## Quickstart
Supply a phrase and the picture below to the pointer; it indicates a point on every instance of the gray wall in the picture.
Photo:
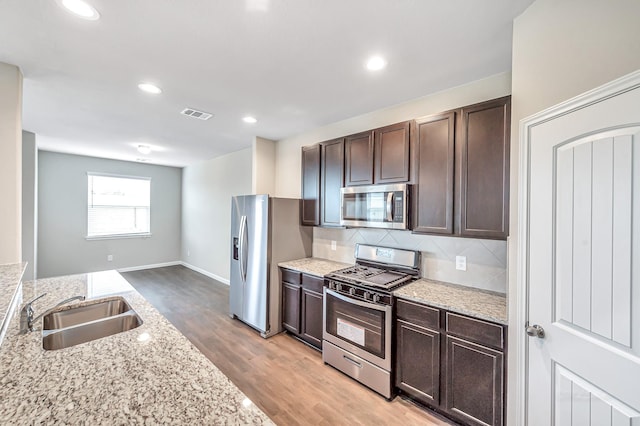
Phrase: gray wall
(207, 189)
(29, 204)
(62, 217)
(561, 48)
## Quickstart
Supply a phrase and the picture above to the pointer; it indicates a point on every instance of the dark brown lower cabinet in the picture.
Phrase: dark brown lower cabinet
(418, 347)
(451, 362)
(302, 306)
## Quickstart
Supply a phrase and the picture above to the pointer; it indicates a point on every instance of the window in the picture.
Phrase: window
(118, 206)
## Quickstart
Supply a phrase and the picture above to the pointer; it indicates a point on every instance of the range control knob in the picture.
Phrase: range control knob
(376, 298)
(338, 286)
(332, 285)
(367, 295)
(352, 291)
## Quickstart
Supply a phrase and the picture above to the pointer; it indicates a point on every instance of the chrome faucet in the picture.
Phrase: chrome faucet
(26, 314)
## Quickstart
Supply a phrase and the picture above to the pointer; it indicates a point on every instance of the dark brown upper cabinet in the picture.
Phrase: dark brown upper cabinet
(310, 208)
(331, 180)
(433, 202)
(484, 169)
(359, 159)
(391, 153)
(379, 156)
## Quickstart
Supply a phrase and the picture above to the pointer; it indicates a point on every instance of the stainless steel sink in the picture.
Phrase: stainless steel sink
(86, 322)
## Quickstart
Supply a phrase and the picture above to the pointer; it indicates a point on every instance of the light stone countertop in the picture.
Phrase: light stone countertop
(10, 277)
(149, 375)
(470, 301)
(314, 266)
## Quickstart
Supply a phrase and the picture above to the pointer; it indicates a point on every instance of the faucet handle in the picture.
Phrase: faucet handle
(28, 304)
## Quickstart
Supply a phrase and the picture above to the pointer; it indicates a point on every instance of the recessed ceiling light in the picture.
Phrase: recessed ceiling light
(144, 149)
(81, 9)
(376, 63)
(149, 88)
(250, 120)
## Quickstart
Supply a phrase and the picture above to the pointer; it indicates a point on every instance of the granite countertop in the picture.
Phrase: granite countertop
(149, 375)
(10, 277)
(314, 266)
(477, 303)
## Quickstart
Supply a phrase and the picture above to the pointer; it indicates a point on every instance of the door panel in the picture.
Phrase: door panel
(236, 290)
(254, 307)
(589, 174)
(581, 403)
(583, 281)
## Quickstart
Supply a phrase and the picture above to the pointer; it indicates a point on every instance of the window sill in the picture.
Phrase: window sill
(117, 236)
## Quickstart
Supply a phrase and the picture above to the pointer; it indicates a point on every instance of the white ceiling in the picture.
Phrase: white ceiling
(293, 64)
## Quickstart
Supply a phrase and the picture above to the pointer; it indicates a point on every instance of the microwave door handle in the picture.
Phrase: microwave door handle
(390, 197)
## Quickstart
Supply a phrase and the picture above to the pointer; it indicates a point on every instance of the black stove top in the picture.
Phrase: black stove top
(368, 276)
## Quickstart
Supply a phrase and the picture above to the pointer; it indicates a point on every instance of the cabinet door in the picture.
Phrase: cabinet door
(332, 179)
(391, 152)
(484, 180)
(310, 210)
(312, 317)
(359, 159)
(474, 383)
(418, 362)
(434, 204)
(291, 307)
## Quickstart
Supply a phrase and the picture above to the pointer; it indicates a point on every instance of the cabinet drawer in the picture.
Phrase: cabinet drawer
(482, 332)
(421, 315)
(290, 276)
(312, 283)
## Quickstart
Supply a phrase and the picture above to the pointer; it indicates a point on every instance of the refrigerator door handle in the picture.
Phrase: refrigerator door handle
(243, 234)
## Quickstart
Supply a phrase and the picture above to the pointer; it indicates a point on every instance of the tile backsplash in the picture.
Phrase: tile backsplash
(486, 259)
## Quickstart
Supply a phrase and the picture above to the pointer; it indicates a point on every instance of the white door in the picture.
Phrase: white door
(583, 259)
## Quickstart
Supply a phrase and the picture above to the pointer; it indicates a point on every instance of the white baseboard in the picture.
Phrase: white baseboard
(207, 273)
(155, 265)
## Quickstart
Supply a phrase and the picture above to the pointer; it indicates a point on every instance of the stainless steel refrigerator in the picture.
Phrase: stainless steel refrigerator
(264, 232)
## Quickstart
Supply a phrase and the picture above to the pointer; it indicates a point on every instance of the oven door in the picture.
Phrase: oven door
(359, 327)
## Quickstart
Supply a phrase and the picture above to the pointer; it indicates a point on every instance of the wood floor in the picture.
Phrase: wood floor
(281, 375)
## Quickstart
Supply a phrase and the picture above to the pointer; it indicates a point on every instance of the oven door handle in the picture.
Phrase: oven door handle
(383, 308)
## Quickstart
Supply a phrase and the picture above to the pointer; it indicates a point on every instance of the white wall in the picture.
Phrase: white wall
(29, 204)
(288, 167)
(62, 217)
(562, 48)
(207, 189)
(264, 166)
(10, 163)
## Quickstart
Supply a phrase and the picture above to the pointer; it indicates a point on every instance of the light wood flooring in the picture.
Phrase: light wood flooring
(281, 375)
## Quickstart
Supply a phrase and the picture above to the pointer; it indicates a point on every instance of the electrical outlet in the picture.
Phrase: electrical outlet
(188, 253)
(461, 263)
(333, 245)
(109, 258)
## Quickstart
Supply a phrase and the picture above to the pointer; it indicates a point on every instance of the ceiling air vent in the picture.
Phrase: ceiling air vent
(200, 115)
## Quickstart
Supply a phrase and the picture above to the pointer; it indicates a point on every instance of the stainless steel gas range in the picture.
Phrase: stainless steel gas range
(358, 312)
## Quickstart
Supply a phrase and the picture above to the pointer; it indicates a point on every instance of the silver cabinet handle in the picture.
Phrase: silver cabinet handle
(535, 331)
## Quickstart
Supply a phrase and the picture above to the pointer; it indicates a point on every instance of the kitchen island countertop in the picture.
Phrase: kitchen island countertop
(10, 277)
(149, 375)
(314, 266)
(470, 301)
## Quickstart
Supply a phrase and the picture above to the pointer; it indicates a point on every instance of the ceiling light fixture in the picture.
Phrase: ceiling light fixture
(150, 88)
(376, 63)
(250, 120)
(81, 9)
(144, 149)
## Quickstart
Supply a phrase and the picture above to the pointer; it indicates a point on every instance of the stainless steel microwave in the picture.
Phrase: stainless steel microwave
(375, 206)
